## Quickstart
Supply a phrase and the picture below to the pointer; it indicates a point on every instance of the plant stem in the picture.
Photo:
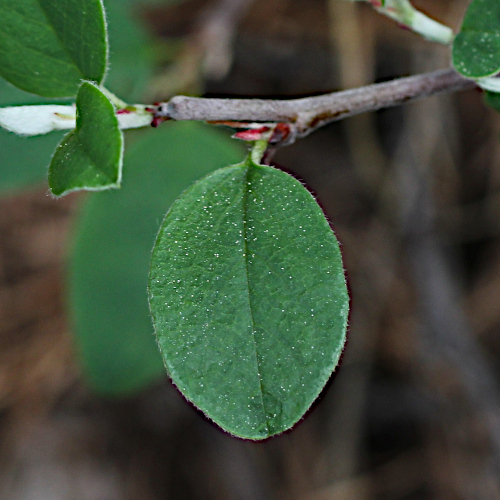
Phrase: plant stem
(403, 12)
(258, 150)
(307, 114)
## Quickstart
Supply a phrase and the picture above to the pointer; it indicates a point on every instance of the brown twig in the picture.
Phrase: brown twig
(307, 114)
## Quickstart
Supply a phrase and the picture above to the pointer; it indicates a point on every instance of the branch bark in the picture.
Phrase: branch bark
(305, 115)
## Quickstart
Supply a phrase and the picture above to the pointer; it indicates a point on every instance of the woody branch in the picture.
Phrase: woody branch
(305, 115)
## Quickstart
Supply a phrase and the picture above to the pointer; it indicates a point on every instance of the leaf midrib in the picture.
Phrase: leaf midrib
(60, 40)
(95, 164)
(248, 167)
(54, 31)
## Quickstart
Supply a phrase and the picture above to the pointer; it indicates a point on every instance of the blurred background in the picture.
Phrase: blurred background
(413, 193)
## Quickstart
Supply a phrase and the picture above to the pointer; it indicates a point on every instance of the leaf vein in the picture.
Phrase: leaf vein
(250, 307)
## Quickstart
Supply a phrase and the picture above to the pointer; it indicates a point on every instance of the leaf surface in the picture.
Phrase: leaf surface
(476, 49)
(112, 250)
(47, 47)
(248, 298)
(89, 157)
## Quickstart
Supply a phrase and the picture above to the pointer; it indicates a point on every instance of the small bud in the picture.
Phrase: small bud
(253, 134)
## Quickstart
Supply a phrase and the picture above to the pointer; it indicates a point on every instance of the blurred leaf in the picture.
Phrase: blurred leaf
(89, 157)
(476, 49)
(131, 57)
(110, 259)
(248, 298)
(23, 160)
(47, 47)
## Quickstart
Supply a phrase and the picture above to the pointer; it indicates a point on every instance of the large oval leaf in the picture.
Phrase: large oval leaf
(248, 298)
(110, 257)
(476, 49)
(47, 47)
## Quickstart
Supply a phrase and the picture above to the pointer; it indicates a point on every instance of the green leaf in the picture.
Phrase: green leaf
(23, 160)
(248, 298)
(110, 257)
(47, 47)
(89, 157)
(476, 49)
